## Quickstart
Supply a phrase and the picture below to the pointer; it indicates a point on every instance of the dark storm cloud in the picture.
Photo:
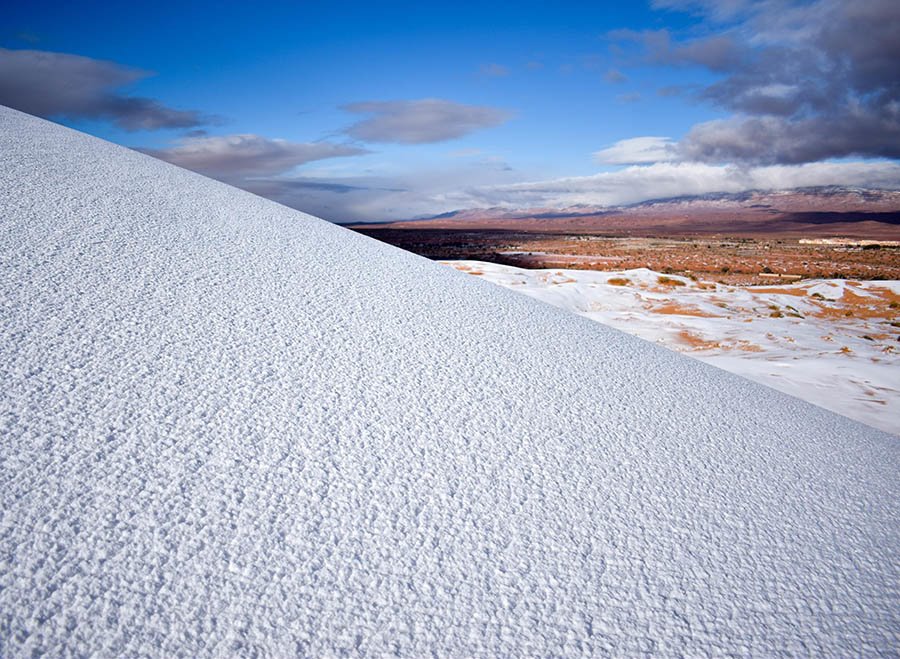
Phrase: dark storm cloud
(806, 81)
(772, 139)
(61, 85)
(718, 53)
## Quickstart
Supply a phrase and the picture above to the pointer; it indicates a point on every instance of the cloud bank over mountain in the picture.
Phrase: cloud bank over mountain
(673, 179)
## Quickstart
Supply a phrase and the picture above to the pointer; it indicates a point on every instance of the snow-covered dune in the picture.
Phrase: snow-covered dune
(230, 428)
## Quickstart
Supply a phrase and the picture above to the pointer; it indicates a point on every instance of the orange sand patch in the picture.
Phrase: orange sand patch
(746, 346)
(796, 292)
(858, 311)
(849, 297)
(872, 394)
(675, 309)
(876, 306)
(468, 269)
(696, 342)
(885, 294)
(556, 278)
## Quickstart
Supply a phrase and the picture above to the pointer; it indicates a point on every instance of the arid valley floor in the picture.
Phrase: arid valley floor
(740, 260)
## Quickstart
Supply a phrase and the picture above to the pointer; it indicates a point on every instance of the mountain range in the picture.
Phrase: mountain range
(804, 212)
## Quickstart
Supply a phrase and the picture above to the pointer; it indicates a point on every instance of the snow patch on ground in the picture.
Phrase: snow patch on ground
(833, 342)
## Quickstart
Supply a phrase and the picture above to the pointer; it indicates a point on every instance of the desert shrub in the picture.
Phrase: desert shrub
(618, 281)
(668, 281)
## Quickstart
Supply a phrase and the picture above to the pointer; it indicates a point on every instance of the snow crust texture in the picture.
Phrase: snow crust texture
(229, 428)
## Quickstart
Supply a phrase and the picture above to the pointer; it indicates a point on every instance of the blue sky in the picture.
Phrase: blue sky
(360, 111)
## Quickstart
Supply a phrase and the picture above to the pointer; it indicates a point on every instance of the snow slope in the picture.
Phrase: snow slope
(230, 428)
(830, 342)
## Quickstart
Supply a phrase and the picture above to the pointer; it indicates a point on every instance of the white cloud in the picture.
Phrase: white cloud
(637, 150)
